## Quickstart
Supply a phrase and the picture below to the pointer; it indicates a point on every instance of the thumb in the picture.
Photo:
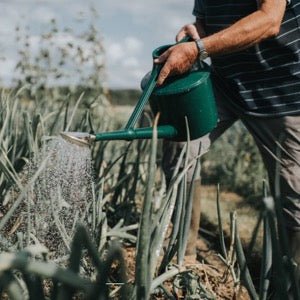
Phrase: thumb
(164, 73)
(162, 58)
(180, 36)
(194, 33)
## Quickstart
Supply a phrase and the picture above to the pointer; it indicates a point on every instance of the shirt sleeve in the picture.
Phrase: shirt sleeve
(258, 2)
(198, 10)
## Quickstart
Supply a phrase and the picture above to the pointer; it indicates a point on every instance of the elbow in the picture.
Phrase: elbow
(272, 16)
(274, 30)
(273, 27)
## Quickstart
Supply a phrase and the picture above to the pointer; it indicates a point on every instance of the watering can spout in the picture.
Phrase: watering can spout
(78, 138)
(86, 139)
(165, 131)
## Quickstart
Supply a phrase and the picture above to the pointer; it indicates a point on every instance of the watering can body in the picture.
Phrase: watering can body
(187, 103)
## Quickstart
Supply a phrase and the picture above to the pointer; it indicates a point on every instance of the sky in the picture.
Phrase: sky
(129, 30)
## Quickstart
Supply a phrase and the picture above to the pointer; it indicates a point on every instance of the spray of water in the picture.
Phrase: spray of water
(61, 196)
(63, 193)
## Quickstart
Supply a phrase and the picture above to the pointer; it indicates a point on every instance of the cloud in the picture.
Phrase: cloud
(150, 24)
(131, 30)
(7, 68)
(123, 62)
(123, 50)
(131, 62)
(115, 52)
(145, 7)
(133, 44)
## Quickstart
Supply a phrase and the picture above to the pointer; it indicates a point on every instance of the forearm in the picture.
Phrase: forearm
(260, 25)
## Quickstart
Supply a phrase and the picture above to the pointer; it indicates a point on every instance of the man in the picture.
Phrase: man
(255, 51)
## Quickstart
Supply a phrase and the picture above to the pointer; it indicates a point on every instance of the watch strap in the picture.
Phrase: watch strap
(202, 53)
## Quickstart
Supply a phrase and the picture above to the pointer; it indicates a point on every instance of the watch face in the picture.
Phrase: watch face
(203, 55)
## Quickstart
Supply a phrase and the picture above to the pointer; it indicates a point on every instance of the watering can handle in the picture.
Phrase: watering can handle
(144, 98)
(148, 91)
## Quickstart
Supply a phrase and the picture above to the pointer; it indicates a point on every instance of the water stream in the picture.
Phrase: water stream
(61, 196)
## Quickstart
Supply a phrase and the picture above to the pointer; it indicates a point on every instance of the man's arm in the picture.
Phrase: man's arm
(250, 30)
(258, 26)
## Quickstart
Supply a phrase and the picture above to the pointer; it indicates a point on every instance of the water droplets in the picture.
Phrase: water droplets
(62, 193)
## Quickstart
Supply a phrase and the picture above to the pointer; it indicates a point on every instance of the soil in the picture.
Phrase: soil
(247, 217)
(207, 268)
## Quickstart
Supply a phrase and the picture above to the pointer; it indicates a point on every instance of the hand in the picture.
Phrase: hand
(177, 60)
(188, 30)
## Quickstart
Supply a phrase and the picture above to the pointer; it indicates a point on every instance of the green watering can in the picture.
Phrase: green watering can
(182, 100)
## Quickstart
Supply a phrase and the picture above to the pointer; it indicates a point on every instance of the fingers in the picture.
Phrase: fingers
(164, 73)
(181, 34)
(162, 58)
(188, 30)
(177, 60)
(193, 33)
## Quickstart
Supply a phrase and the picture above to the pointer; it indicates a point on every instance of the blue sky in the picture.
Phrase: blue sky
(130, 29)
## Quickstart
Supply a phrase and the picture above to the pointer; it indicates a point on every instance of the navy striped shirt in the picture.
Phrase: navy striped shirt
(263, 80)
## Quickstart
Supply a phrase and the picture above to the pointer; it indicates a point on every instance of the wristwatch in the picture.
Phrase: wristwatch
(202, 53)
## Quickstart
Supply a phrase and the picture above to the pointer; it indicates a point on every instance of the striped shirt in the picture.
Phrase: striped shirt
(262, 80)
